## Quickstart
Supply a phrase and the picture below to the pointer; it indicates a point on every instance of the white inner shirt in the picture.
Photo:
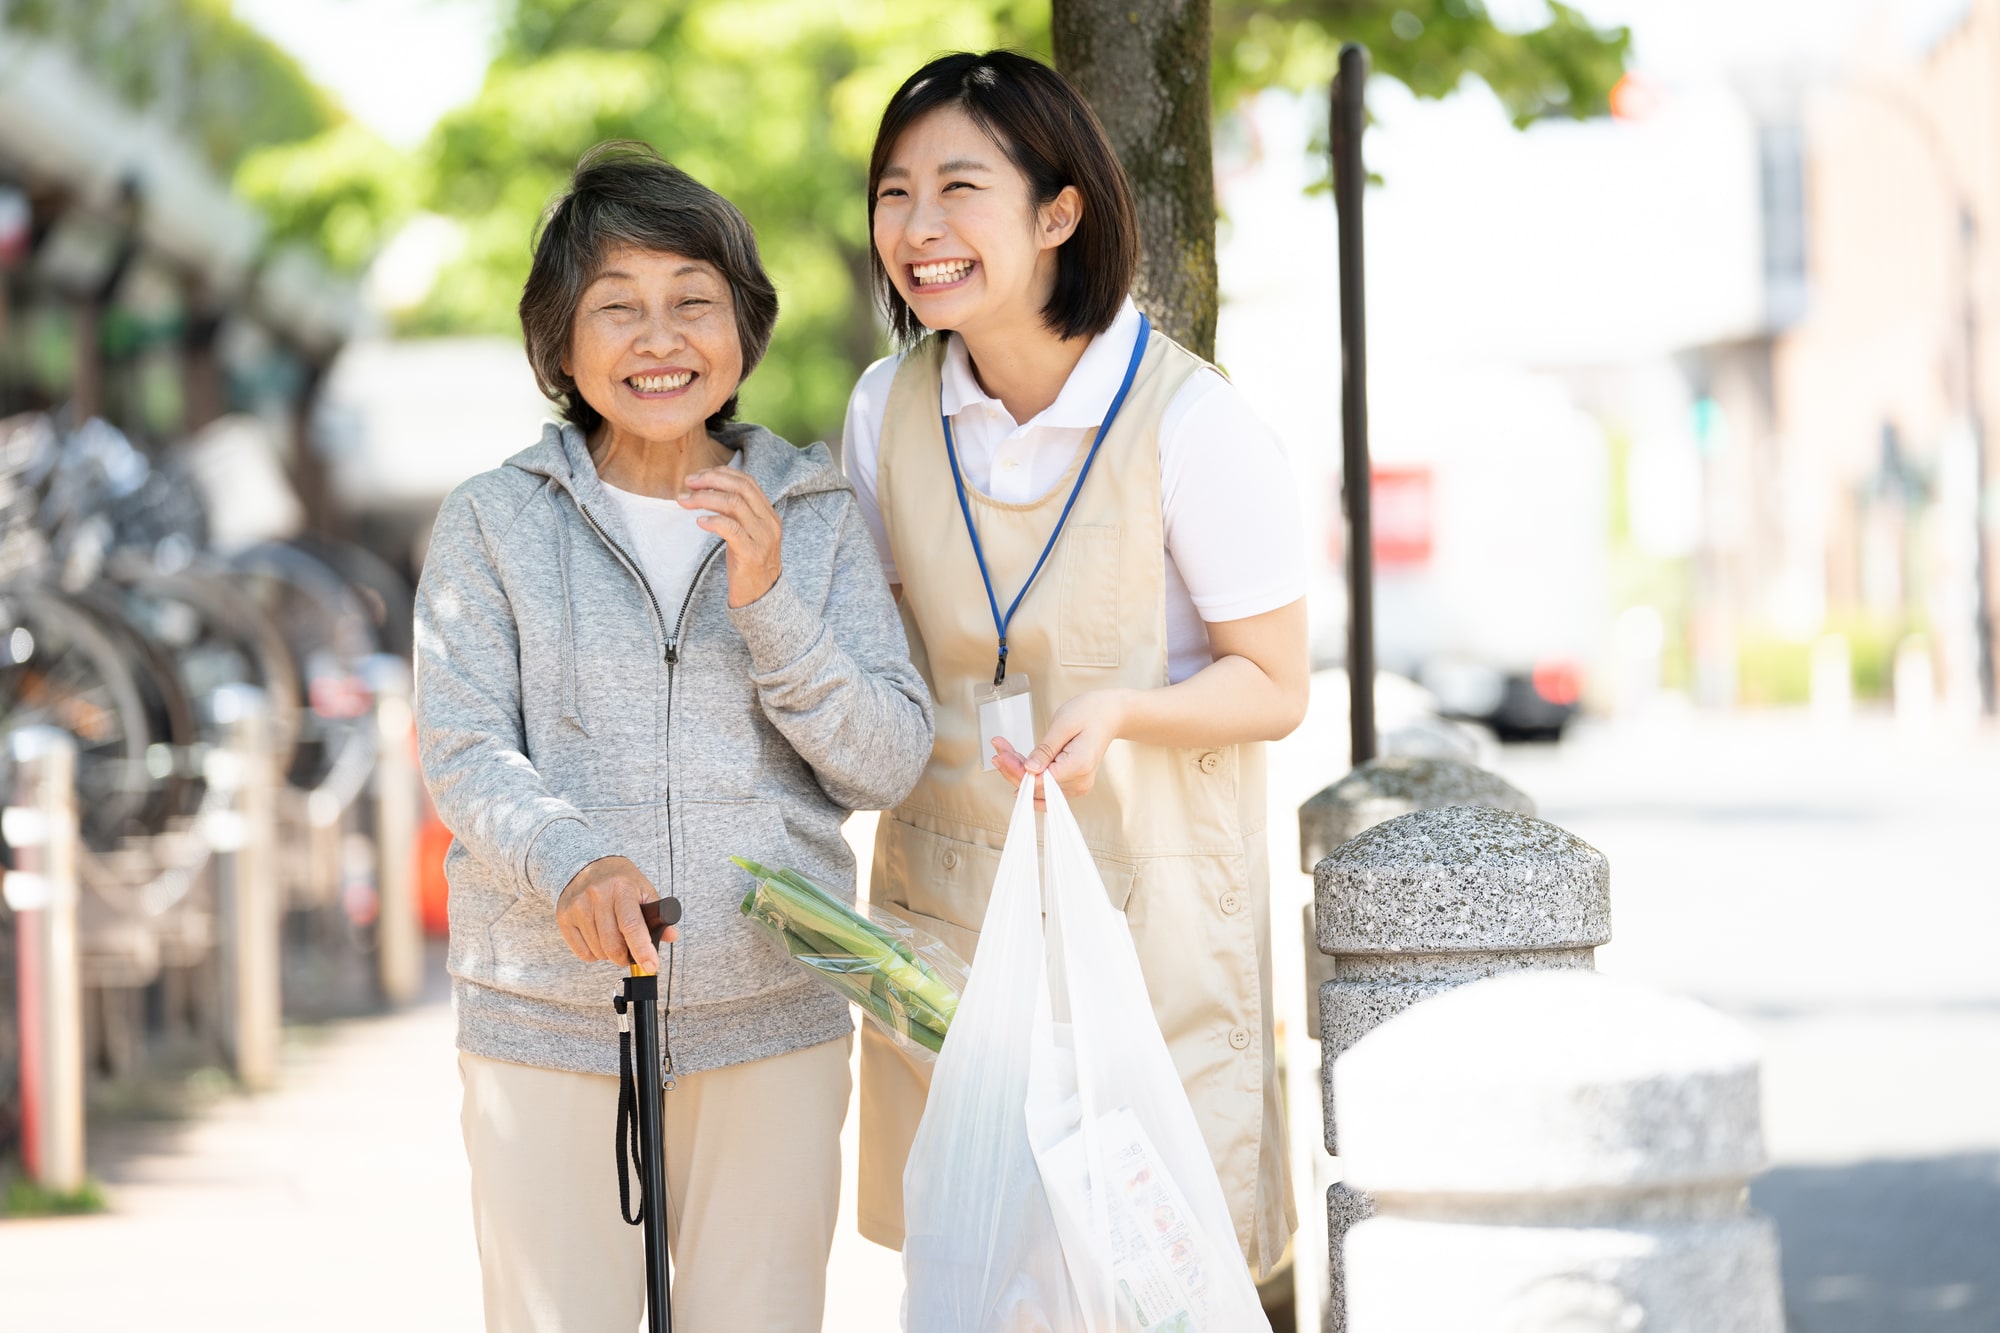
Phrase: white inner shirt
(666, 543)
(1235, 544)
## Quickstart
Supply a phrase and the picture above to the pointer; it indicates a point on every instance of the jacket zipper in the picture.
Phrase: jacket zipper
(673, 643)
(632, 565)
(673, 657)
(673, 660)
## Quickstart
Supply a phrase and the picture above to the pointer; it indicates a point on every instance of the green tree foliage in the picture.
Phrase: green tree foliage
(772, 102)
(343, 192)
(1567, 66)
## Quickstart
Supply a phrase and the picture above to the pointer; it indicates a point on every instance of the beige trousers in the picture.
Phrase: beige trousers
(753, 1178)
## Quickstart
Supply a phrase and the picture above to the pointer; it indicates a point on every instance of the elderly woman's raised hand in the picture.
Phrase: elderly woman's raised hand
(749, 527)
(599, 914)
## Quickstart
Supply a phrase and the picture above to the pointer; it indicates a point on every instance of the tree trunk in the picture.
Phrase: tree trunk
(861, 339)
(312, 478)
(1143, 65)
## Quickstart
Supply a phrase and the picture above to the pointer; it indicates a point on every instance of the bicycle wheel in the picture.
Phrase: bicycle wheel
(61, 669)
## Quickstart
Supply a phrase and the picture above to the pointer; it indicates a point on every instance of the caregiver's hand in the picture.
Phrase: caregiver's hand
(599, 915)
(738, 513)
(1078, 735)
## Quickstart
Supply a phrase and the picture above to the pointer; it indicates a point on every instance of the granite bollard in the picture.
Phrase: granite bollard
(1427, 902)
(1377, 790)
(1381, 789)
(1396, 785)
(1556, 1152)
(1434, 899)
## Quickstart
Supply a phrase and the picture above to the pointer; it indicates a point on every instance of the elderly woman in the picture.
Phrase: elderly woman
(655, 639)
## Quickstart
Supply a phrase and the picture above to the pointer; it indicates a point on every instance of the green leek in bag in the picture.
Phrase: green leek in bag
(903, 978)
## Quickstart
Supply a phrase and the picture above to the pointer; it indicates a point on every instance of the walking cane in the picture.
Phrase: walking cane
(639, 1130)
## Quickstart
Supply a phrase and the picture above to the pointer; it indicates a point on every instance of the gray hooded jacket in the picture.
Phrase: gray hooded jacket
(564, 715)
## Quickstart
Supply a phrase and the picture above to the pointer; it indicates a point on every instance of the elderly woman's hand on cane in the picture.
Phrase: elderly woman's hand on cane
(601, 917)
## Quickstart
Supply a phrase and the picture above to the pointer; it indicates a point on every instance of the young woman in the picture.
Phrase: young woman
(1098, 556)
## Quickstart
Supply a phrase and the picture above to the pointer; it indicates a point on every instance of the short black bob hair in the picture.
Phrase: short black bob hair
(624, 193)
(1039, 119)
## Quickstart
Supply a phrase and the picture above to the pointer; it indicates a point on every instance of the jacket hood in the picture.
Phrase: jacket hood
(780, 468)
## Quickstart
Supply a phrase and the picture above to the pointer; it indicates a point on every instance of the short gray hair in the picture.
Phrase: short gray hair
(624, 193)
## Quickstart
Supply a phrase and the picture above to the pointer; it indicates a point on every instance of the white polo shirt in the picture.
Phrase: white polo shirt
(1235, 541)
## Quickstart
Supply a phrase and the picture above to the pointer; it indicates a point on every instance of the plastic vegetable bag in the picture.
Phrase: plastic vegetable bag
(1059, 1182)
(905, 980)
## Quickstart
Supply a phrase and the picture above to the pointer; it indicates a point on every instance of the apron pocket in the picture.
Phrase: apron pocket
(1088, 633)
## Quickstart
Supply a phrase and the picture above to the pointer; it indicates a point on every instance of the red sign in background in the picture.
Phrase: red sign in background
(1401, 514)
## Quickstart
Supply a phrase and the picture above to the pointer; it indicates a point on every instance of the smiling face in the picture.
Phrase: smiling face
(655, 348)
(958, 229)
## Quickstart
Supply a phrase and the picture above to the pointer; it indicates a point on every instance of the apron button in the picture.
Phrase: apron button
(951, 860)
(1210, 762)
(1230, 902)
(1240, 1038)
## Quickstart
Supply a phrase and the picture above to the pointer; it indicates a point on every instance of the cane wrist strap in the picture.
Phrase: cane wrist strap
(628, 1124)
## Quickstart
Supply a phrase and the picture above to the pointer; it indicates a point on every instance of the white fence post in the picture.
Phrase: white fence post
(250, 904)
(1556, 1151)
(399, 933)
(41, 826)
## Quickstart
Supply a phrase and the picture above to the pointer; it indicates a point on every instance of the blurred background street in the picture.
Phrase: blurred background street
(1682, 367)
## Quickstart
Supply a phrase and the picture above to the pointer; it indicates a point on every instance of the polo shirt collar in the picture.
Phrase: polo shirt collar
(1085, 397)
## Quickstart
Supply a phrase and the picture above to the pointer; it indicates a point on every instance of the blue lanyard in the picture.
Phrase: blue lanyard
(1000, 622)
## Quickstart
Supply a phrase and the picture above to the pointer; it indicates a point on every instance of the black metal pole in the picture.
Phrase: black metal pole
(1350, 179)
(642, 994)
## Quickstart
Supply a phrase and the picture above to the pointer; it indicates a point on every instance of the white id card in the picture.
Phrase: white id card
(1007, 710)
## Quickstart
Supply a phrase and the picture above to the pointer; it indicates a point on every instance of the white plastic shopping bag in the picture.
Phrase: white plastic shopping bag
(980, 1250)
(1119, 1183)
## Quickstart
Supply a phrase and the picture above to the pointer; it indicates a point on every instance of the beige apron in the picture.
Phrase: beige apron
(1178, 834)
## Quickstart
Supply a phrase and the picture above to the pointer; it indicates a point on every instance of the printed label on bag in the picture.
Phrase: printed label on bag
(1006, 711)
(1155, 1250)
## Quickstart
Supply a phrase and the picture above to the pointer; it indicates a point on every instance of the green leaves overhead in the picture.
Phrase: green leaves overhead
(771, 102)
(343, 192)
(1567, 66)
(774, 103)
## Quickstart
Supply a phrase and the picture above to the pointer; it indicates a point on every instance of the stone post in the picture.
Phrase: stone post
(1382, 789)
(399, 930)
(1396, 785)
(249, 896)
(1556, 1151)
(41, 826)
(1427, 902)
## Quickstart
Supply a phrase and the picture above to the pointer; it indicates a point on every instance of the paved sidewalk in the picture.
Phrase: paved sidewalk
(336, 1203)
